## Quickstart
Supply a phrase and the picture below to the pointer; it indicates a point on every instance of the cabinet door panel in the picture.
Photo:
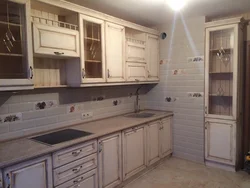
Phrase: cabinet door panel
(153, 57)
(136, 72)
(55, 41)
(133, 152)
(87, 180)
(115, 52)
(135, 52)
(110, 162)
(220, 141)
(166, 137)
(36, 173)
(153, 137)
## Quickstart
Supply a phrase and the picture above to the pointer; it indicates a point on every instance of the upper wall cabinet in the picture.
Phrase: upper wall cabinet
(115, 52)
(153, 57)
(92, 49)
(55, 32)
(16, 64)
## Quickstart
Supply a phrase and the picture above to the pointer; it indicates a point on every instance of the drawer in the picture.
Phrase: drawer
(87, 180)
(55, 41)
(74, 169)
(68, 155)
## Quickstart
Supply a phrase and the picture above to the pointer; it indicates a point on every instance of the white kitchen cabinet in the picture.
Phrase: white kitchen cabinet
(87, 180)
(110, 161)
(153, 57)
(135, 51)
(166, 147)
(92, 42)
(115, 52)
(220, 136)
(16, 59)
(36, 173)
(153, 142)
(55, 41)
(136, 72)
(134, 151)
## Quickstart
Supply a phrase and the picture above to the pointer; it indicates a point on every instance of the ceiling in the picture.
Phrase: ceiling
(155, 12)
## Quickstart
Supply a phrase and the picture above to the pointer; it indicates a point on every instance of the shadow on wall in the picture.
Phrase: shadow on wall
(79, 95)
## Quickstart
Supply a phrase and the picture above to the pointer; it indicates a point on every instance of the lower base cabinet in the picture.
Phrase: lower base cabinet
(134, 151)
(110, 161)
(87, 180)
(220, 141)
(31, 174)
(166, 147)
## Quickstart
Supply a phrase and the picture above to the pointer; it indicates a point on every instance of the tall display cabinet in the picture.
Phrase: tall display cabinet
(223, 90)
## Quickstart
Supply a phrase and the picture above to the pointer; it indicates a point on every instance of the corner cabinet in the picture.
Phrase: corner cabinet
(92, 45)
(223, 90)
(16, 60)
(35, 173)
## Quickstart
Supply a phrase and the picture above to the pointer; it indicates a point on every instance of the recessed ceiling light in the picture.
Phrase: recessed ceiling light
(176, 4)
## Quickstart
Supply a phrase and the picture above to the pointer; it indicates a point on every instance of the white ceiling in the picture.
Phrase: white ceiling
(154, 12)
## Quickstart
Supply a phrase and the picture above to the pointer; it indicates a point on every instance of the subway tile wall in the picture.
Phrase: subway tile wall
(83, 100)
(178, 78)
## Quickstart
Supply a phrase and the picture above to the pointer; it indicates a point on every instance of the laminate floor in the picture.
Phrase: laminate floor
(179, 173)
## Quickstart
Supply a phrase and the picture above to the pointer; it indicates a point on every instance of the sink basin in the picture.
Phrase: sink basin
(60, 136)
(140, 115)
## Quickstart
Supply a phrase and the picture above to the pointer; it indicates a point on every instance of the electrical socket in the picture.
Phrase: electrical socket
(87, 115)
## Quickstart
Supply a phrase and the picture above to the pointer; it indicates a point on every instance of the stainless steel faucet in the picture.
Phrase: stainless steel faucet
(137, 106)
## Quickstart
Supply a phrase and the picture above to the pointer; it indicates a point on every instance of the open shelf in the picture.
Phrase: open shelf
(92, 39)
(215, 95)
(93, 61)
(10, 54)
(221, 73)
(227, 50)
(11, 24)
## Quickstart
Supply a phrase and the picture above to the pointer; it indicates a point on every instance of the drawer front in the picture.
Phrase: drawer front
(55, 41)
(136, 72)
(71, 154)
(87, 180)
(74, 169)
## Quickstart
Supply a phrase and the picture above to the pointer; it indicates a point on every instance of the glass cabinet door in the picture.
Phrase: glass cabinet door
(92, 49)
(13, 53)
(221, 65)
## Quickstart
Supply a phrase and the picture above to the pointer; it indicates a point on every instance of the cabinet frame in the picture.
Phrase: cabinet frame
(26, 83)
(46, 160)
(101, 168)
(82, 54)
(235, 27)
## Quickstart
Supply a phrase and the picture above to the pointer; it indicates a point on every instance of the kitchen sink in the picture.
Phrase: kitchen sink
(60, 136)
(140, 115)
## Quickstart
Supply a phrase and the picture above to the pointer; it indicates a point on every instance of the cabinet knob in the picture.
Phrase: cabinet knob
(137, 80)
(100, 147)
(205, 109)
(83, 73)
(149, 73)
(31, 72)
(58, 53)
(109, 75)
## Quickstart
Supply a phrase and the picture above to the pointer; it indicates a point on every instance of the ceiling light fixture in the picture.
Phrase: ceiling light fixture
(176, 4)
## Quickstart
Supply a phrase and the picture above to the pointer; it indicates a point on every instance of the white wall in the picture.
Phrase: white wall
(188, 112)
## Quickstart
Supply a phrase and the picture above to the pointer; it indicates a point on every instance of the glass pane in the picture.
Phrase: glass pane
(93, 50)
(13, 59)
(221, 72)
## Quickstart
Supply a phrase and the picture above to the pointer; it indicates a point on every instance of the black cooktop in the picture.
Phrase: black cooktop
(60, 136)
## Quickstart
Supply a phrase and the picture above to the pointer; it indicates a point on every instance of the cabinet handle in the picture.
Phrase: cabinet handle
(31, 72)
(83, 73)
(137, 80)
(58, 53)
(100, 147)
(76, 153)
(148, 73)
(7, 180)
(76, 170)
(78, 180)
(109, 75)
(205, 109)
(206, 123)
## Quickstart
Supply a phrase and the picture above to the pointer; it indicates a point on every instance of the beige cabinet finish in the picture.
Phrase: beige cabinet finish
(56, 41)
(134, 151)
(153, 57)
(220, 138)
(136, 72)
(166, 147)
(153, 142)
(135, 52)
(110, 161)
(68, 155)
(35, 173)
(74, 169)
(115, 52)
(87, 180)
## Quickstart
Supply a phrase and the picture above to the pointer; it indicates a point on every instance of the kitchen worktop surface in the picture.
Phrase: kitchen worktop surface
(23, 149)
